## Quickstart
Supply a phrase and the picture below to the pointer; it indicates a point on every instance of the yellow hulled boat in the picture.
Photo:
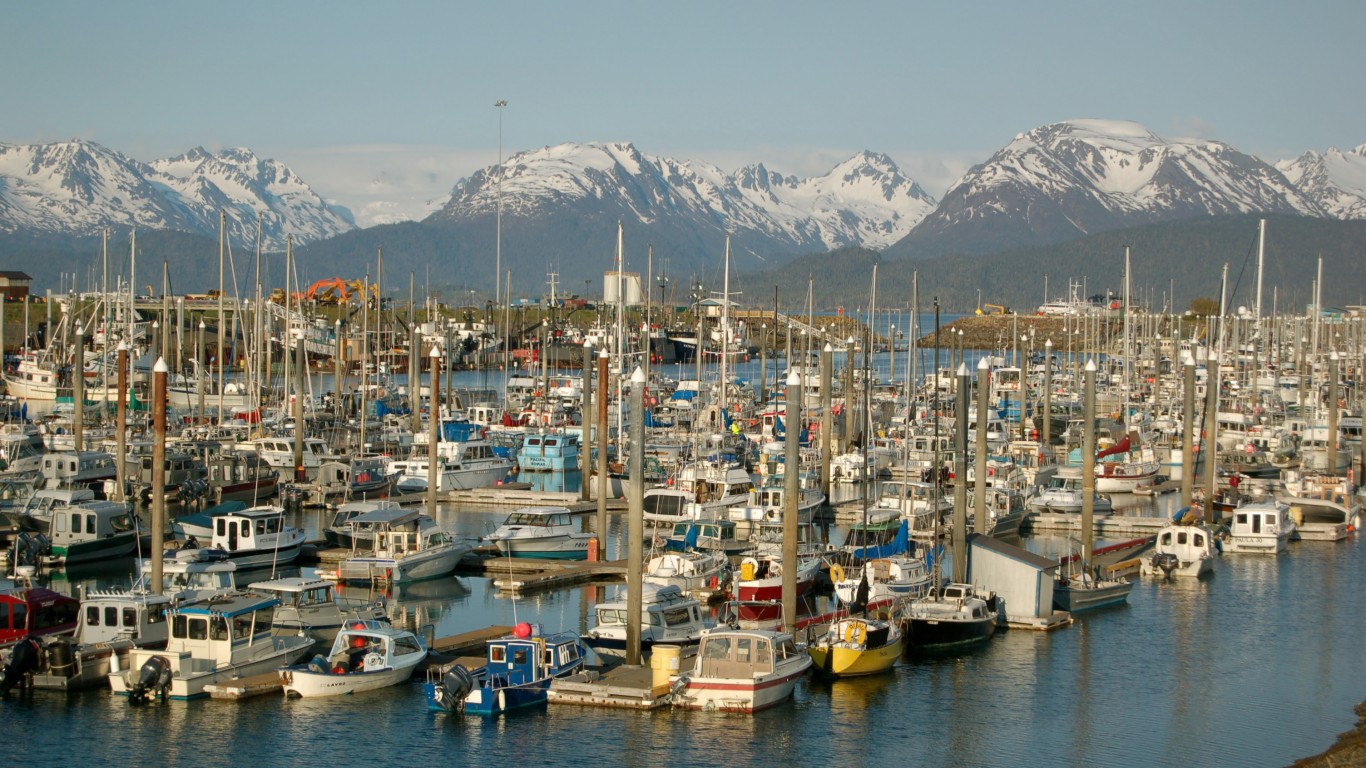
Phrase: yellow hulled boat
(856, 646)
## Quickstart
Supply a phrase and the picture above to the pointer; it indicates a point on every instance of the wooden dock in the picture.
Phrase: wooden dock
(518, 575)
(1105, 526)
(470, 644)
(620, 687)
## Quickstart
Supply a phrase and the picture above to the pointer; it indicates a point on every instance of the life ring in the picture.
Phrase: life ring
(373, 661)
(836, 572)
(857, 634)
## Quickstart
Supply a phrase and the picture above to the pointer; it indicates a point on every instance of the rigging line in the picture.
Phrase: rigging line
(1251, 249)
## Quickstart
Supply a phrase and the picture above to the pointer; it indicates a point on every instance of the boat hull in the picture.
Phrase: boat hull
(738, 695)
(1075, 598)
(305, 683)
(850, 662)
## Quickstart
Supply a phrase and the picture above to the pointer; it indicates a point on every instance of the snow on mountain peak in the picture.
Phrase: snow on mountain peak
(81, 187)
(862, 201)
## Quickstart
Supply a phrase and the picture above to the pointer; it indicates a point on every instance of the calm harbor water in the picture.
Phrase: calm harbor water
(1258, 664)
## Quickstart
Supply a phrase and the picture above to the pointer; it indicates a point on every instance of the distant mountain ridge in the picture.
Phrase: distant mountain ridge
(79, 188)
(1066, 180)
(865, 200)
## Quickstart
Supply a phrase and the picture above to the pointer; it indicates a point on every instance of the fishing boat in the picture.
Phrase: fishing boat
(223, 639)
(1260, 527)
(191, 575)
(854, 645)
(91, 531)
(718, 536)
(29, 611)
(950, 618)
(1087, 590)
(549, 452)
(544, 532)
(406, 545)
(689, 571)
(241, 476)
(761, 577)
(365, 656)
(112, 623)
(741, 670)
(1063, 495)
(516, 674)
(341, 533)
(1331, 518)
(1182, 548)
(257, 537)
(312, 607)
(667, 616)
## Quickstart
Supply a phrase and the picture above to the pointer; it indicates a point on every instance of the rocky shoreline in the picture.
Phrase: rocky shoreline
(1349, 750)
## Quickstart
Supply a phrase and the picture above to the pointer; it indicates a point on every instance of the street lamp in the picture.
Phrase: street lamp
(498, 242)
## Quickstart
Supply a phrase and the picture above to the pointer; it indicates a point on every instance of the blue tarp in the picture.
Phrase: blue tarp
(898, 545)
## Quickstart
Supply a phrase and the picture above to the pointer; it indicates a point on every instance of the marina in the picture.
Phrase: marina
(973, 648)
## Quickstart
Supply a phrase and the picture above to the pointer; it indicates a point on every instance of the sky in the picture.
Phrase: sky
(383, 107)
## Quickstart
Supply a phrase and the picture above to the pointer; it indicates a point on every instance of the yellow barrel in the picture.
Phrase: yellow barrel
(664, 660)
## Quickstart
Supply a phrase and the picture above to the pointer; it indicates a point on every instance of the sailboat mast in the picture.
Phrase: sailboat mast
(725, 323)
(222, 244)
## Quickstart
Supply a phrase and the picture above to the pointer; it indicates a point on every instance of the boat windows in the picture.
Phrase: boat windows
(497, 654)
(1181, 538)
(54, 615)
(111, 616)
(674, 617)
(1198, 540)
(786, 649)
(218, 628)
(92, 616)
(743, 648)
(405, 645)
(130, 617)
(19, 617)
(519, 656)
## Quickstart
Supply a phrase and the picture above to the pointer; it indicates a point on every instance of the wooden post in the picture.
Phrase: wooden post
(1188, 433)
(979, 521)
(1209, 444)
(159, 372)
(791, 476)
(960, 479)
(635, 524)
(586, 444)
(827, 415)
(78, 391)
(121, 422)
(602, 455)
(433, 430)
(1088, 465)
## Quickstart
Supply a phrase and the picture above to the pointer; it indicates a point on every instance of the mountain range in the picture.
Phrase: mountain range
(560, 206)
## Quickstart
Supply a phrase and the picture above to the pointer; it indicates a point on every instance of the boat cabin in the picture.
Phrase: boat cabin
(37, 612)
(742, 655)
(108, 615)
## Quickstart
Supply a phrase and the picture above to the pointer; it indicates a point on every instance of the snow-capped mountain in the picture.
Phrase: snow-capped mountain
(1335, 180)
(80, 187)
(1069, 179)
(863, 201)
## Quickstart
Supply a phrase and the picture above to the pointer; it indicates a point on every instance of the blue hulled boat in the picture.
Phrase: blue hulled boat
(516, 675)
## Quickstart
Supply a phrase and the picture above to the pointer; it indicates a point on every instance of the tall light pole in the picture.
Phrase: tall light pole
(498, 243)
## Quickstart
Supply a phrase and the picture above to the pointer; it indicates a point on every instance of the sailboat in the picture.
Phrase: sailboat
(857, 645)
(1086, 589)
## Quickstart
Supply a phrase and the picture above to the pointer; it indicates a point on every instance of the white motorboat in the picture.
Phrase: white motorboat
(1262, 526)
(1330, 518)
(1064, 495)
(311, 606)
(366, 655)
(191, 575)
(688, 571)
(223, 639)
(545, 532)
(257, 537)
(738, 670)
(406, 545)
(667, 616)
(1182, 548)
(112, 623)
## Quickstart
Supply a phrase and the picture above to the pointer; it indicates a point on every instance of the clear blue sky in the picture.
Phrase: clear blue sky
(796, 85)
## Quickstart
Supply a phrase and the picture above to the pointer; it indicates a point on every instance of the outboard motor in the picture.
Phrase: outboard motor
(1166, 562)
(455, 685)
(153, 679)
(23, 662)
(29, 548)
